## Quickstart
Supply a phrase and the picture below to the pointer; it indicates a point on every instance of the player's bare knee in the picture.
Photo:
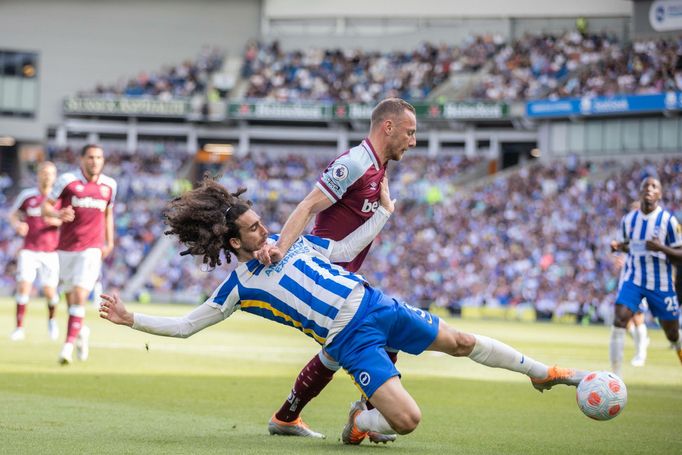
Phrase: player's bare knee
(406, 422)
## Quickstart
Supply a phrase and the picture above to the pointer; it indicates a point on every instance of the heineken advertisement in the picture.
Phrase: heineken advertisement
(353, 111)
(126, 107)
(280, 111)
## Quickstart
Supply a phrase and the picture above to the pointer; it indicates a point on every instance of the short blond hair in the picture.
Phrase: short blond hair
(389, 108)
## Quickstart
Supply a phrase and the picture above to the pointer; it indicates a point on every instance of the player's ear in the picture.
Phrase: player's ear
(235, 243)
(388, 126)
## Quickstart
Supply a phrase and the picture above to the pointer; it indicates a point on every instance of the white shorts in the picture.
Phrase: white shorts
(80, 268)
(43, 264)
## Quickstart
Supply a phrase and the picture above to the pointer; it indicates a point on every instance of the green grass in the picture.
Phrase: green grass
(214, 393)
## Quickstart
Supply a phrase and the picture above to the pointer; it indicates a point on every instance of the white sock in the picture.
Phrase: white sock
(493, 353)
(22, 299)
(632, 331)
(372, 420)
(616, 348)
(641, 341)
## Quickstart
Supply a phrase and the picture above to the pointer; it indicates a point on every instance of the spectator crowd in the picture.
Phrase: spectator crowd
(533, 66)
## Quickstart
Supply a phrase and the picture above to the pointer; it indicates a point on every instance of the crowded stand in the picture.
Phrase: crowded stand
(533, 66)
(184, 80)
(354, 75)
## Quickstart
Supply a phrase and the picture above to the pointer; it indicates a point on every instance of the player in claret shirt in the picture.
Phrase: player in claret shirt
(86, 237)
(345, 196)
(38, 255)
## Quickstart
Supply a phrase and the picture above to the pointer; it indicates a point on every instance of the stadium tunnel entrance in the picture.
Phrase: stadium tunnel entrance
(514, 153)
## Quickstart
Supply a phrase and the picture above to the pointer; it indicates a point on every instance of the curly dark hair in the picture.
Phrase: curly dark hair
(204, 219)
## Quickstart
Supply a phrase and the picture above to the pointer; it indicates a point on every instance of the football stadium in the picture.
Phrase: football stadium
(457, 204)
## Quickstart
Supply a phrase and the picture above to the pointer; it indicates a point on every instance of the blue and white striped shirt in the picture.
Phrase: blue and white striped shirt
(304, 290)
(649, 269)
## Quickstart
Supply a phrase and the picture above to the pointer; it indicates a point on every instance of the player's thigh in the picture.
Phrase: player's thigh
(627, 303)
(413, 330)
(87, 269)
(27, 266)
(663, 305)
(451, 341)
(49, 269)
(397, 406)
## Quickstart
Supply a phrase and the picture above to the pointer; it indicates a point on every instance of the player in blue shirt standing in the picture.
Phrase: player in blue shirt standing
(352, 321)
(652, 237)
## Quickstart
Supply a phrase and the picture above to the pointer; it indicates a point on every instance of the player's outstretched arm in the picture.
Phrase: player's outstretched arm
(198, 319)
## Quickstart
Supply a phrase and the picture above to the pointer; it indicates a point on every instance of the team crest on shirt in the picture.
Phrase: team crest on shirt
(339, 172)
(104, 191)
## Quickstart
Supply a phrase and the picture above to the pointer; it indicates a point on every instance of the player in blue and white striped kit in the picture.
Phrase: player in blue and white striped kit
(352, 321)
(652, 237)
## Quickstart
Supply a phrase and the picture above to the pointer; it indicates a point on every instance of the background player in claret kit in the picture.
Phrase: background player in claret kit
(652, 237)
(350, 320)
(344, 197)
(86, 237)
(38, 256)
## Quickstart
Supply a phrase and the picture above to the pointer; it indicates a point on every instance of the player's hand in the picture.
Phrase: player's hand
(112, 309)
(106, 250)
(276, 254)
(67, 214)
(615, 246)
(22, 228)
(269, 254)
(654, 245)
(263, 255)
(385, 196)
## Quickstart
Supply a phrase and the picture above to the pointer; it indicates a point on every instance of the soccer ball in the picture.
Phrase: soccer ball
(601, 395)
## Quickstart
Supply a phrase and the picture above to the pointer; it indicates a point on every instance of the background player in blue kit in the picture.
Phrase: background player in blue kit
(344, 197)
(351, 320)
(652, 237)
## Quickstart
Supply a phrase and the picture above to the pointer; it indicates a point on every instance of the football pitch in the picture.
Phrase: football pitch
(215, 392)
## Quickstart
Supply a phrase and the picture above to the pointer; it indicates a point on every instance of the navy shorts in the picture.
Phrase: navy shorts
(382, 323)
(663, 305)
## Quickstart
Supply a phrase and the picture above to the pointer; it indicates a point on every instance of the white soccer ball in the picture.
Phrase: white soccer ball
(601, 395)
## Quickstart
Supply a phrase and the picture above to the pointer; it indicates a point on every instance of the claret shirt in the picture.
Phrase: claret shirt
(353, 183)
(89, 201)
